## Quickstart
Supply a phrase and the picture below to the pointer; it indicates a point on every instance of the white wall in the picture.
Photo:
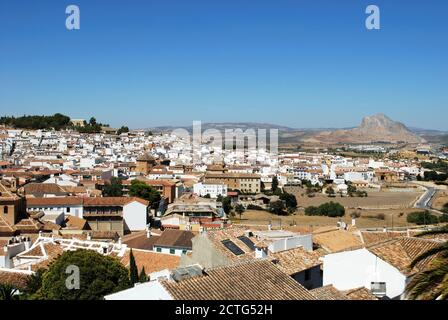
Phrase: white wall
(12, 251)
(306, 241)
(152, 290)
(134, 214)
(177, 252)
(214, 190)
(75, 210)
(358, 268)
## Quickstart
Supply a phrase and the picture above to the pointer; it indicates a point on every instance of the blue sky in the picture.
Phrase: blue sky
(144, 63)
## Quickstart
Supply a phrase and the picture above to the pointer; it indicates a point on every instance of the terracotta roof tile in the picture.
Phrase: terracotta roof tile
(152, 261)
(328, 292)
(337, 240)
(402, 251)
(295, 260)
(16, 279)
(360, 294)
(175, 239)
(250, 280)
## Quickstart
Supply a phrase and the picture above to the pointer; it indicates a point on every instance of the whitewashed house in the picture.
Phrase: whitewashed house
(212, 189)
(381, 268)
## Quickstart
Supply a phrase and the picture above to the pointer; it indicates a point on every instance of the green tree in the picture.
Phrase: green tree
(239, 209)
(33, 284)
(99, 275)
(434, 176)
(57, 121)
(351, 190)
(133, 271)
(7, 291)
(113, 188)
(431, 283)
(123, 129)
(142, 190)
(312, 211)
(290, 201)
(274, 184)
(227, 204)
(329, 209)
(142, 277)
(330, 191)
(277, 207)
(92, 121)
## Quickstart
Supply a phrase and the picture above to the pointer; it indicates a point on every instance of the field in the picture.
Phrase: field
(392, 205)
(440, 199)
(368, 219)
(375, 199)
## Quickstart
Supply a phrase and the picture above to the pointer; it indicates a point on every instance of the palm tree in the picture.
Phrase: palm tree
(431, 284)
(7, 291)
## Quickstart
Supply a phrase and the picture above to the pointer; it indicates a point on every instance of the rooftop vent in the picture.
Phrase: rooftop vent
(180, 274)
(378, 288)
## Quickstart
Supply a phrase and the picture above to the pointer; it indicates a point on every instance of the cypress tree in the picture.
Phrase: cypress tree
(142, 278)
(133, 271)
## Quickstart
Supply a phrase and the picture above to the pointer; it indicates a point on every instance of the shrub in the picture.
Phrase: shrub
(422, 218)
(329, 209)
(381, 216)
(312, 211)
(254, 207)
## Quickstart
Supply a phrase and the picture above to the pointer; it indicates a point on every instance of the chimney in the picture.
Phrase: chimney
(27, 242)
(260, 253)
(89, 236)
(353, 222)
(408, 232)
(384, 229)
(148, 233)
(269, 227)
(119, 241)
(5, 248)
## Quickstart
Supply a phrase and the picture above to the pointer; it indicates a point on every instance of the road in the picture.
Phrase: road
(423, 202)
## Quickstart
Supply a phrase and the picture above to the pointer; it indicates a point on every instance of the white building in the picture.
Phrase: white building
(381, 268)
(213, 189)
(135, 214)
(56, 205)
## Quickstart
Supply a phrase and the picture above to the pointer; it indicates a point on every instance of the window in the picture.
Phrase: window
(159, 249)
(5, 209)
(172, 251)
(308, 275)
(184, 251)
(68, 209)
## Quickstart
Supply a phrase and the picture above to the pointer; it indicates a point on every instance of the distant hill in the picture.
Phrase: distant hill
(227, 125)
(376, 128)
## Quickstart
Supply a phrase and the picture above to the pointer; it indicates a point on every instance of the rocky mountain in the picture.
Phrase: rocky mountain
(376, 128)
